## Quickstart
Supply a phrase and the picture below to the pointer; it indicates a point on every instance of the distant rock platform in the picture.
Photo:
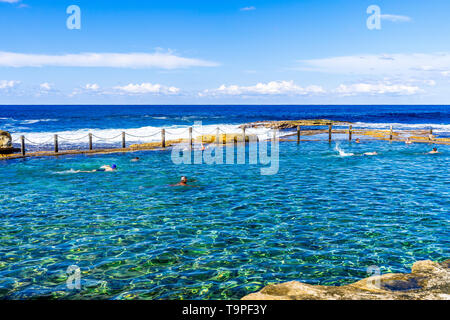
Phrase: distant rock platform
(428, 280)
(289, 124)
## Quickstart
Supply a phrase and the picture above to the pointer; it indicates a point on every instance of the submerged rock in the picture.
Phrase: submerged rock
(428, 280)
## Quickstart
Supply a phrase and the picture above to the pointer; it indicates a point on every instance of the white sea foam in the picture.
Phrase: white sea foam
(437, 127)
(135, 135)
(32, 121)
(342, 153)
(71, 171)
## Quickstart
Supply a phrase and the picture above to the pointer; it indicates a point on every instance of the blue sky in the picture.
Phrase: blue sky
(220, 52)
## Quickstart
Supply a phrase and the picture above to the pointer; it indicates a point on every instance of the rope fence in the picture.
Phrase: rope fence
(216, 134)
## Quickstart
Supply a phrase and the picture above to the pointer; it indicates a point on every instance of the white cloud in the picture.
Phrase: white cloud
(377, 89)
(146, 88)
(383, 64)
(107, 60)
(395, 18)
(8, 84)
(248, 8)
(92, 86)
(270, 88)
(45, 86)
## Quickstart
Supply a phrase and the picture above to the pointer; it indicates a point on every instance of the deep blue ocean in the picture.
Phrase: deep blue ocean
(328, 213)
(72, 118)
(143, 123)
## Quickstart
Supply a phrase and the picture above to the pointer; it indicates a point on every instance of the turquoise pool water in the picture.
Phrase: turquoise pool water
(323, 219)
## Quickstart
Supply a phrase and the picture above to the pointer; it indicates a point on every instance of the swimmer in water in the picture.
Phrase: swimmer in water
(105, 168)
(433, 151)
(137, 159)
(183, 183)
(357, 140)
(408, 141)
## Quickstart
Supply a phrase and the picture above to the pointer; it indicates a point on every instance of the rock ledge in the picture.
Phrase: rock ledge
(428, 280)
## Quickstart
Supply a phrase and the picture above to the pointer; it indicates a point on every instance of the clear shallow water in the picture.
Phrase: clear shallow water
(323, 219)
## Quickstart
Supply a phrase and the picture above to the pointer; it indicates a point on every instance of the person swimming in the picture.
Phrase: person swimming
(183, 183)
(357, 140)
(408, 141)
(433, 151)
(107, 168)
(136, 159)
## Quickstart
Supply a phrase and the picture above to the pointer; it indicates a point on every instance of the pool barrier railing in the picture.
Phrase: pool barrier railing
(163, 143)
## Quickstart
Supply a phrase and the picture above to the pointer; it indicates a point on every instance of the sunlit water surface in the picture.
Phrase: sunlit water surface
(323, 219)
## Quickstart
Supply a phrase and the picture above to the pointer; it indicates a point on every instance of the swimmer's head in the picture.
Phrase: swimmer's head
(113, 166)
(183, 179)
(434, 149)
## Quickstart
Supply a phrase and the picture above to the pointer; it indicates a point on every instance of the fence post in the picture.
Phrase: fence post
(190, 138)
(350, 133)
(90, 141)
(298, 134)
(22, 142)
(391, 133)
(124, 145)
(217, 136)
(163, 138)
(56, 143)
(330, 126)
